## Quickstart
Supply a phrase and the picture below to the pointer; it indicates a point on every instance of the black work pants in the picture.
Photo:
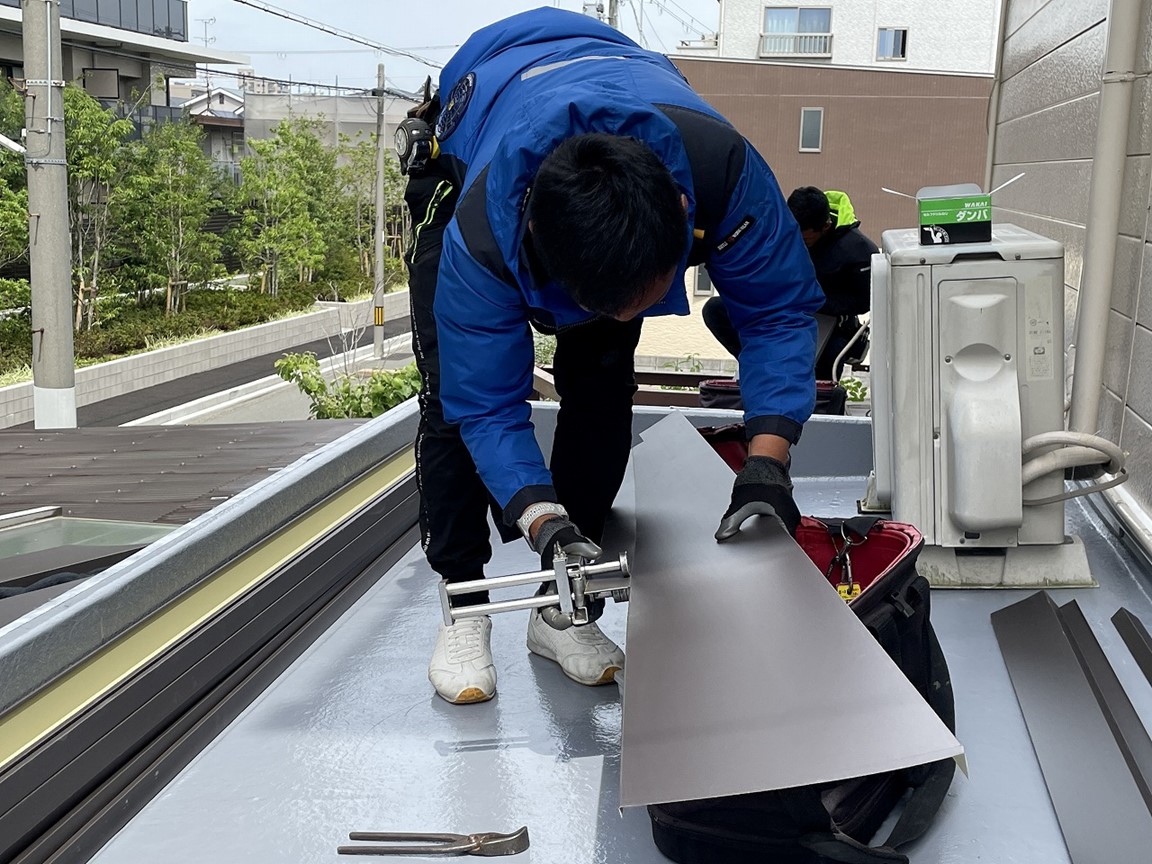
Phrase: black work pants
(594, 376)
(720, 326)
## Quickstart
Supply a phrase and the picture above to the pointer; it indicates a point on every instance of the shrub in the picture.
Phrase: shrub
(348, 396)
(15, 294)
(15, 343)
(857, 390)
(544, 348)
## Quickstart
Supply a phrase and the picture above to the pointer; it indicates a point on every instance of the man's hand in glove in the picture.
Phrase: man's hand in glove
(559, 530)
(762, 488)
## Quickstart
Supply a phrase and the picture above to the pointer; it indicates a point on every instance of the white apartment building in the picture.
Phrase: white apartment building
(921, 35)
(116, 49)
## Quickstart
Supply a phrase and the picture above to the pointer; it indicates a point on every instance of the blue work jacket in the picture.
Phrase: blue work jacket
(511, 94)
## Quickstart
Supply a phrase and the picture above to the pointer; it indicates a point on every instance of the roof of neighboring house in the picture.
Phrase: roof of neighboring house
(162, 474)
(218, 101)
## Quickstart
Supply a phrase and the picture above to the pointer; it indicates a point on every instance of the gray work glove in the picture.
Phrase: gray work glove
(559, 530)
(762, 488)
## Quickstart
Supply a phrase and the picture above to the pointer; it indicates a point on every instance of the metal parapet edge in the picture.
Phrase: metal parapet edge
(50, 641)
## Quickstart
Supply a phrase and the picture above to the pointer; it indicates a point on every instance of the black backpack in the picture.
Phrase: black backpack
(834, 822)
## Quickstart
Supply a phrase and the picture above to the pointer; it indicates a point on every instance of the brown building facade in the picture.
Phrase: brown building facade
(863, 129)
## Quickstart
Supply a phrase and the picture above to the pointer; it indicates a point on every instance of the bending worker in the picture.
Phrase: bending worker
(842, 256)
(572, 179)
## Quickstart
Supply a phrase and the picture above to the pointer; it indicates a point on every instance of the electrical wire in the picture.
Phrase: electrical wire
(637, 11)
(686, 12)
(646, 14)
(288, 15)
(225, 73)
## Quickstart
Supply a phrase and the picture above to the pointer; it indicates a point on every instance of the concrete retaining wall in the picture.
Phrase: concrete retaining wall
(117, 377)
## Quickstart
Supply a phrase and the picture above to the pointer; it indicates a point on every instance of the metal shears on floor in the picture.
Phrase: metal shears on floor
(487, 845)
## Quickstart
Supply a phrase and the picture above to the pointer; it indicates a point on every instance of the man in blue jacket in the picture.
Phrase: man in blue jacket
(573, 178)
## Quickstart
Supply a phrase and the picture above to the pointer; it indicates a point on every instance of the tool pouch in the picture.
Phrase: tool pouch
(835, 822)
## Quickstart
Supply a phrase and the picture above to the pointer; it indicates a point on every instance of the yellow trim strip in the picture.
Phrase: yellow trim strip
(34, 720)
(443, 190)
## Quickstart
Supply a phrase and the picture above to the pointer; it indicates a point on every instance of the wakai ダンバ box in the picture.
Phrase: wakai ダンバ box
(954, 214)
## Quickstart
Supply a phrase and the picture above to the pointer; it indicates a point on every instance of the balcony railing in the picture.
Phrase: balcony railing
(796, 45)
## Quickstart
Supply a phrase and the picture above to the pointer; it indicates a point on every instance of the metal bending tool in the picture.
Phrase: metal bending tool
(568, 589)
(488, 845)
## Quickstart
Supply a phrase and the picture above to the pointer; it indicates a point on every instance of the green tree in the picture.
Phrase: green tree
(357, 178)
(13, 224)
(13, 181)
(95, 139)
(164, 203)
(287, 193)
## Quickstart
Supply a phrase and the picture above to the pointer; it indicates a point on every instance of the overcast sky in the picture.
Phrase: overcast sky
(431, 28)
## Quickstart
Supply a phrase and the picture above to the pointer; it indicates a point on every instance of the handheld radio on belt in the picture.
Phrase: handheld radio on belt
(415, 145)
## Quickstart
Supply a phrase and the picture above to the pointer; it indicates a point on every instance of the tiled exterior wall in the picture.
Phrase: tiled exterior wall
(947, 36)
(1053, 60)
(105, 380)
(881, 128)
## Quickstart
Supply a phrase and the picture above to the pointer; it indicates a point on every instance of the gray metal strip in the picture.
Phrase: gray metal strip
(38, 648)
(1097, 802)
(830, 447)
(1135, 636)
(745, 668)
(1125, 723)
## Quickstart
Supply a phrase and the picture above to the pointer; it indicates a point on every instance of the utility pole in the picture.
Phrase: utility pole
(614, 13)
(378, 294)
(50, 243)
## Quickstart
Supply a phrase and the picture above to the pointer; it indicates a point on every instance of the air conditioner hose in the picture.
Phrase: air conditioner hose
(1077, 449)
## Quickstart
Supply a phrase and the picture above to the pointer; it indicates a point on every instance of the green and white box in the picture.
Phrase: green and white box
(954, 214)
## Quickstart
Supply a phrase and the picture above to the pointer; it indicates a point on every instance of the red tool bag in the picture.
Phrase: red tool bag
(873, 564)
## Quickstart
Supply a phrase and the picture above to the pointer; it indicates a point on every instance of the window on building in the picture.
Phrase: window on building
(795, 30)
(811, 130)
(892, 44)
(85, 10)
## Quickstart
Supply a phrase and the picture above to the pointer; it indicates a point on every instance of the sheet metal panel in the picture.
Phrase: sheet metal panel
(1135, 636)
(1126, 725)
(745, 667)
(1101, 813)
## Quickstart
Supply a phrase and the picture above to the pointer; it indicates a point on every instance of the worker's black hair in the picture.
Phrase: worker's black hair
(607, 220)
(809, 206)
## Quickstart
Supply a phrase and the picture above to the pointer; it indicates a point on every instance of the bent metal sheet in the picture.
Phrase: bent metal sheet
(746, 671)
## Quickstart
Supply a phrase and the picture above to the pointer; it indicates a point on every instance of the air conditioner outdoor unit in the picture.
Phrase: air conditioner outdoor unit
(967, 368)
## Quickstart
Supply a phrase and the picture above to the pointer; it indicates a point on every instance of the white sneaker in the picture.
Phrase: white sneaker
(585, 654)
(461, 669)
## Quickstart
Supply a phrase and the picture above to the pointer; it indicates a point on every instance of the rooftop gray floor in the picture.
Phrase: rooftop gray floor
(351, 737)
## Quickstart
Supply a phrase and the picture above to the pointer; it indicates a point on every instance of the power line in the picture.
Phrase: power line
(637, 12)
(655, 32)
(285, 51)
(226, 73)
(686, 24)
(703, 26)
(336, 31)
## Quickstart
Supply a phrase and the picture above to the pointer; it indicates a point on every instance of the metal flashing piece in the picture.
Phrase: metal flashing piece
(1135, 636)
(1097, 801)
(746, 670)
(1122, 718)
